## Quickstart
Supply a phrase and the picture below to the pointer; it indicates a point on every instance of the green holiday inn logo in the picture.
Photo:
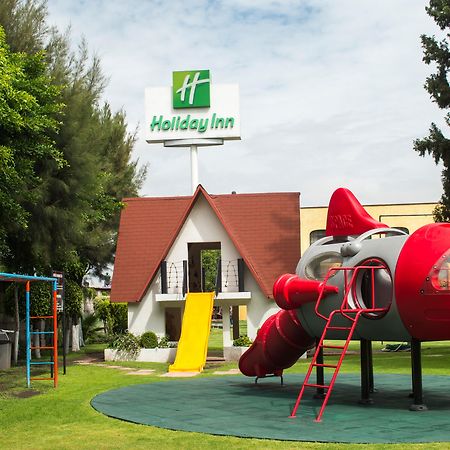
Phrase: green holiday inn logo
(191, 89)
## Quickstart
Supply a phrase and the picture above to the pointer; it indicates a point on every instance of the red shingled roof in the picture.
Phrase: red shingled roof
(265, 229)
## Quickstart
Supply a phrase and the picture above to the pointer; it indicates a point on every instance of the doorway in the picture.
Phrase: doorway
(203, 259)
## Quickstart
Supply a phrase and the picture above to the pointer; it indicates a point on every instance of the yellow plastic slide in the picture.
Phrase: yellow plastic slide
(193, 344)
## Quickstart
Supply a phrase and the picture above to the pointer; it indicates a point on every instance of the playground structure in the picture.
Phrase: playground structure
(53, 363)
(363, 281)
(158, 265)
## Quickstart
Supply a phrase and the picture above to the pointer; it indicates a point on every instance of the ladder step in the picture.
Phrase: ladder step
(41, 332)
(332, 346)
(41, 317)
(339, 328)
(324, 365)
(40, 363)
(42, 348)
(324, 386)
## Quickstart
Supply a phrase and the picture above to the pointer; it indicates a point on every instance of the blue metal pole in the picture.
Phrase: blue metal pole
(28, 337)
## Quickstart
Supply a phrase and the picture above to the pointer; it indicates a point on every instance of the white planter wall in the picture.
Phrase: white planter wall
(161, 355)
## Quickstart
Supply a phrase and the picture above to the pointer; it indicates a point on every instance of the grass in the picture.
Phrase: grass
(215, 343)
(63, 418)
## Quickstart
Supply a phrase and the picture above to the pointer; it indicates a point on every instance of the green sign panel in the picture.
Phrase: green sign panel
(191, 89)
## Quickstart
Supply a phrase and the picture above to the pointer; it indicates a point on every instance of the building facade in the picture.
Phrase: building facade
(405, 216)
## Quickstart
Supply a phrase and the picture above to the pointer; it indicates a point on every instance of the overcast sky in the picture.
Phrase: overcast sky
(331, 90)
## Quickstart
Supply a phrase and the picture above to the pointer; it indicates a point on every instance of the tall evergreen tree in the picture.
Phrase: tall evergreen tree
(73, 221)
(28, 118)
(436, 144)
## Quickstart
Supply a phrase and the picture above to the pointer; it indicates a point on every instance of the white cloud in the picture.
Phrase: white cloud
(331, 91)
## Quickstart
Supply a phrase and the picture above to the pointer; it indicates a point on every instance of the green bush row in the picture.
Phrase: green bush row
(131, 344)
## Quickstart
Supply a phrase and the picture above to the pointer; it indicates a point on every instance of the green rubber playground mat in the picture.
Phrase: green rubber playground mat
(236, 406)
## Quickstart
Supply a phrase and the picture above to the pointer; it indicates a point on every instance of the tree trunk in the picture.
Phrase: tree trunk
(36, 340)
(17, 326)
(68, 333)
(76, 335)
(42, 337)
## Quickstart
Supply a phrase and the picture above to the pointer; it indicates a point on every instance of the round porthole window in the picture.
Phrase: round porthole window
(372, 288)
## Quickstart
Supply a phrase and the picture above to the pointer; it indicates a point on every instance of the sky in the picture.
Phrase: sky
(331, 91)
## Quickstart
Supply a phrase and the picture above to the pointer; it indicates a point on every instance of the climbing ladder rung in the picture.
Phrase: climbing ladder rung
(41, 363)
(41, 332)
(41, 317)
(338, 328)
(333, 346)
(322, 386)
(324, 365)
(42, 348)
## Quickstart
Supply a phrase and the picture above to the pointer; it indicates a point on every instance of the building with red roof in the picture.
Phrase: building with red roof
(158, 256)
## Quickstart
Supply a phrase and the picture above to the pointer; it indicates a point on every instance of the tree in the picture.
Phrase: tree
(28, 118)
(61, 210)
(436, 143)
(76, 213)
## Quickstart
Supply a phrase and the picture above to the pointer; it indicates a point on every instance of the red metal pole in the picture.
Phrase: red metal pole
(55, 337)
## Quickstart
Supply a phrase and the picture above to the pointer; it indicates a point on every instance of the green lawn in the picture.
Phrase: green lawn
(63, 418)
(215, 343)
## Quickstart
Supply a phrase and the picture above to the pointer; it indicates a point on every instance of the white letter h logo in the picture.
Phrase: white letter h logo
(192, 86)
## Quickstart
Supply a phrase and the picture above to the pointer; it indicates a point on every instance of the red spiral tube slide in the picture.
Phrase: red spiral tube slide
(282, 339)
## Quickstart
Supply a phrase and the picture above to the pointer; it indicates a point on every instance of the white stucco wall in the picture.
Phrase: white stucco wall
(259, 308)
(147, 315)
(202, 225)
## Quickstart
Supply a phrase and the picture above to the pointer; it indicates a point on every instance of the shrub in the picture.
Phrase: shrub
(113, 315)
(127, 343)
(165, 343)
(242, 341)
(149, 340)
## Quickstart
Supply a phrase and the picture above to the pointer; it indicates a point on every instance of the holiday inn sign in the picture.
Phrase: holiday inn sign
(191, 89)
(193, 108)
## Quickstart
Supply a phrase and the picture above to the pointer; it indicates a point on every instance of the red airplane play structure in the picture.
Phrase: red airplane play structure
(363, 281)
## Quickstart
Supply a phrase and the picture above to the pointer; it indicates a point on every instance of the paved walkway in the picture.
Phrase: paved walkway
(133, 371)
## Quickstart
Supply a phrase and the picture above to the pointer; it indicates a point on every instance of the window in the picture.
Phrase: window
(439, 277)
(316, 235)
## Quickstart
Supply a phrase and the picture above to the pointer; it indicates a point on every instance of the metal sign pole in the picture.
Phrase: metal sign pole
(193, 144)
(194, 167)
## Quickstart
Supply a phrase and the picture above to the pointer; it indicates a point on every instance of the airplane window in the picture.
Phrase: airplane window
(440, 274)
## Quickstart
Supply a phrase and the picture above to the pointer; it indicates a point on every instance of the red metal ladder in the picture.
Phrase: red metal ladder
(352, 316)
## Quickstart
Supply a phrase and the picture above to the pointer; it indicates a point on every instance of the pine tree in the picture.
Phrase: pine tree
(73, 218)
(436, 144)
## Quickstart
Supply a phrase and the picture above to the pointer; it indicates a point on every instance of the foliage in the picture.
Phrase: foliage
(113, 315)
(436, 143)
(165, 343)
(73, 299)
(29, 106)
(209, 265)
(149, 340)
(65, 213)
(89, 325)
(242, 341)
(41, 298)
(127, 343)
